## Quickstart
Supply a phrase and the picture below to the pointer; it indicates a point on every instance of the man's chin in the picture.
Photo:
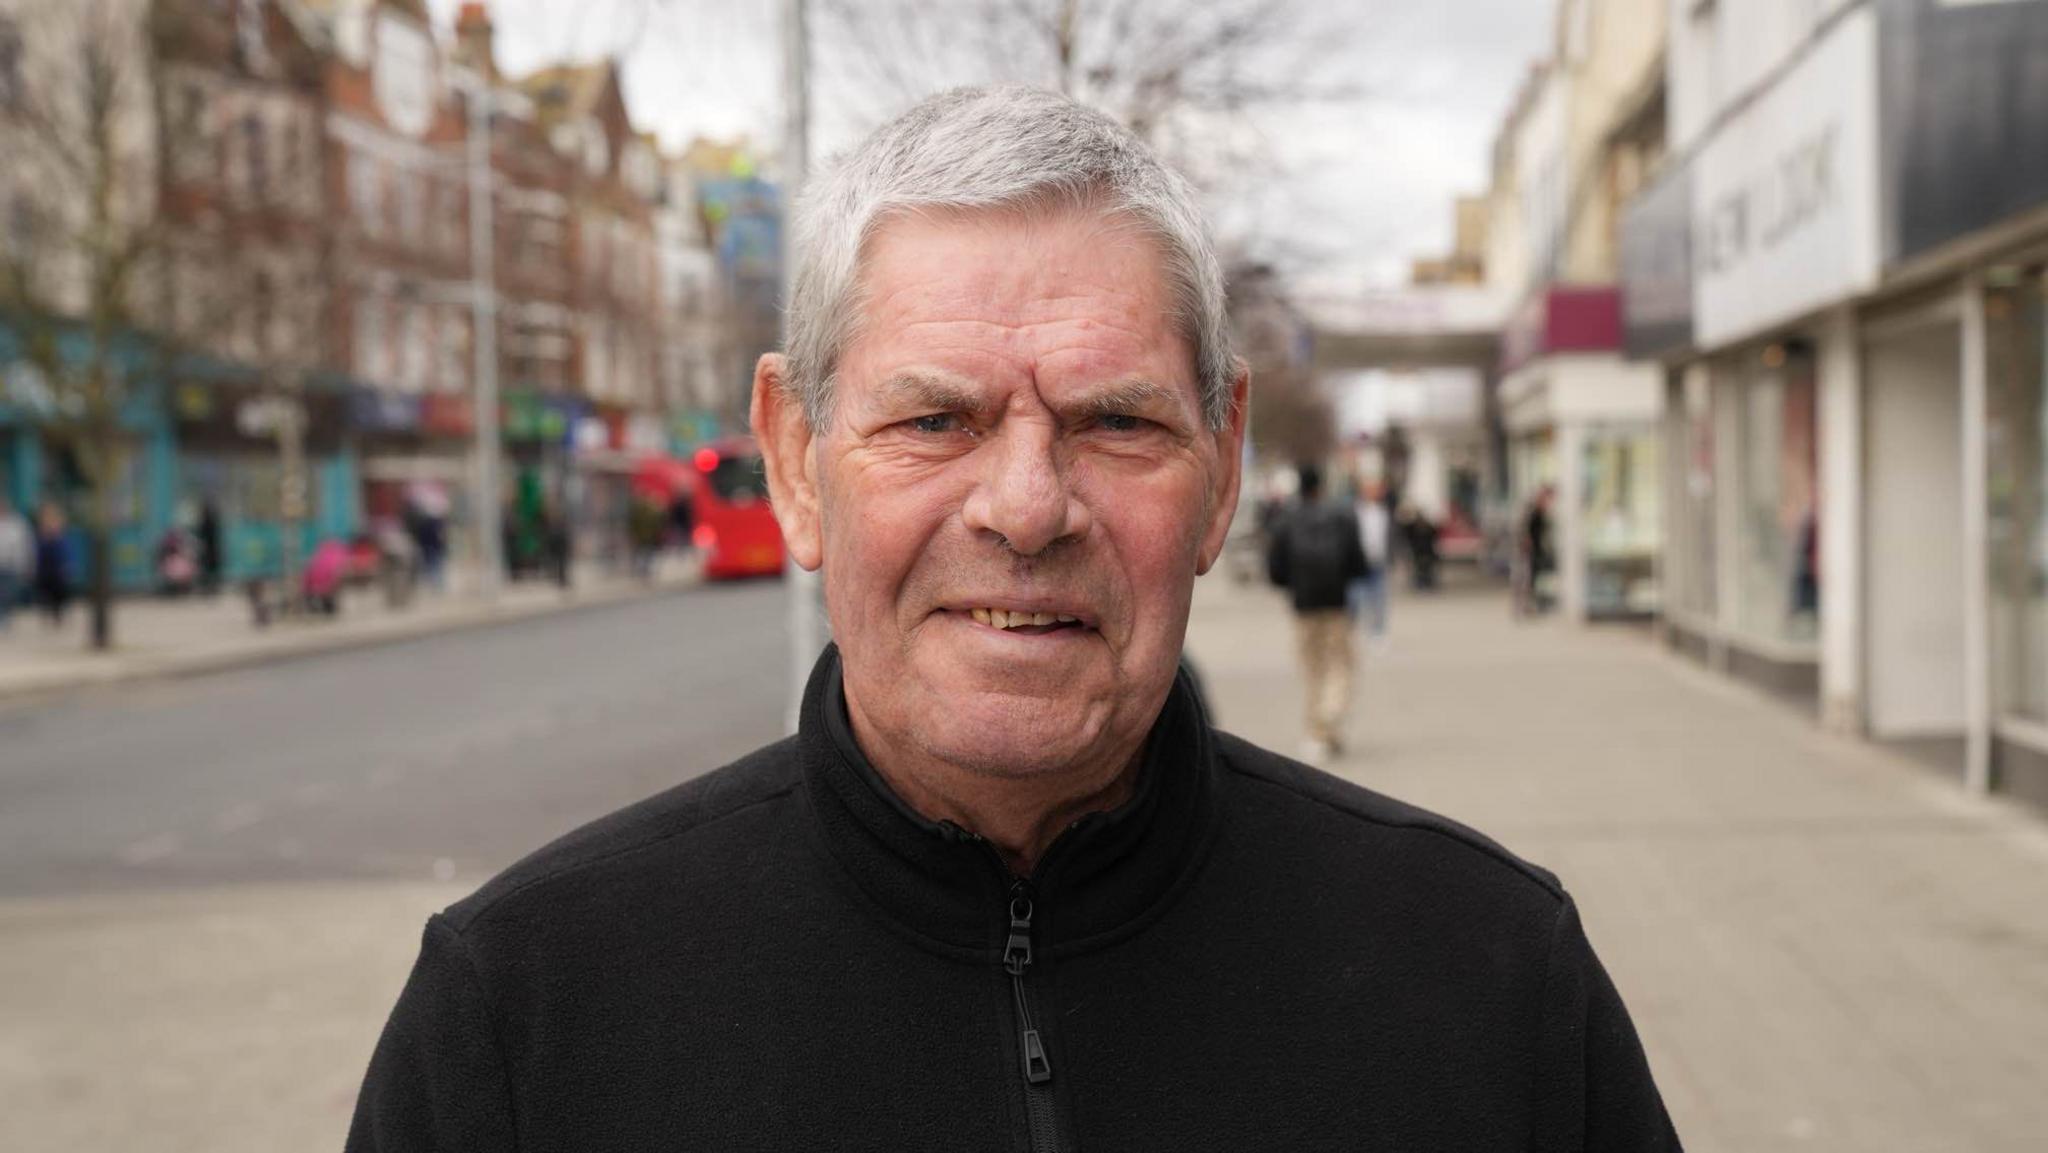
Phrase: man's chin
(1017, 738)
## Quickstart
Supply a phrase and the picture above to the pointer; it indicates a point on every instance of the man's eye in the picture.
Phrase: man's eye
(934, 422)
(1120, 422)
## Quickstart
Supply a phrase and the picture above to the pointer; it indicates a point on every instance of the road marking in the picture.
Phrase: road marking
(154, 848)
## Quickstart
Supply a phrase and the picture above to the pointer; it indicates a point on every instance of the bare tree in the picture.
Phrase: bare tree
(84, 235)
(1199, 82)
(1291, 418)
(110, 283)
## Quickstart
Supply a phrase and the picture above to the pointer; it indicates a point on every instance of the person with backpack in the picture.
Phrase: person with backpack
(1315, 555)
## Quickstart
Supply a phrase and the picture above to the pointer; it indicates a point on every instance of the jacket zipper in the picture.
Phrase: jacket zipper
(1040, 1112)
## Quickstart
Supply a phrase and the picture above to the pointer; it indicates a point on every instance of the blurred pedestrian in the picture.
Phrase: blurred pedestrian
(1420, 533)
(558, 542)
(177, 562)
(321, 582)
(1368, 597)
(1315, 555)
(426, 521)
(17, 558)
(211, 557)
(53, 563)
(1534, 556)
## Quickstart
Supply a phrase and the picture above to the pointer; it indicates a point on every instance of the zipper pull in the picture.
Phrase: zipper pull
(1017, 952)
(1016, 957)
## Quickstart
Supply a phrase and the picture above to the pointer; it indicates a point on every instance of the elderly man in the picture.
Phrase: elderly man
(1006, 888)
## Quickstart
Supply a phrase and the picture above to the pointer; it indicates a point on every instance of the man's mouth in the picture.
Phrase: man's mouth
(1026, 621)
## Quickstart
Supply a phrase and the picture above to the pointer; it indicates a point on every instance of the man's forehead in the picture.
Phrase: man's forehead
(957, 304)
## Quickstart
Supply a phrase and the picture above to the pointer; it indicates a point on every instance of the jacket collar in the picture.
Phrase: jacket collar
(946, 888)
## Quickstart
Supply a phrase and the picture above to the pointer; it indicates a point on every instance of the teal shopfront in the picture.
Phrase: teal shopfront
(38, 467)
(228, 457)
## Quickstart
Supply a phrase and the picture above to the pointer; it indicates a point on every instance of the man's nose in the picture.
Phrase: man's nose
(1023, 496)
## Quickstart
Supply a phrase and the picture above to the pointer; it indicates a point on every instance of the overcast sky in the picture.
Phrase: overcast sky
(1364, 187)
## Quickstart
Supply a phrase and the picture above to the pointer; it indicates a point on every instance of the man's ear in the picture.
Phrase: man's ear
(786, 439)
(1229, 470)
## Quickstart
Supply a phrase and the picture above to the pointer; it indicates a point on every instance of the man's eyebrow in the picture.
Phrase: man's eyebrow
(1125, 396)
(928, 391)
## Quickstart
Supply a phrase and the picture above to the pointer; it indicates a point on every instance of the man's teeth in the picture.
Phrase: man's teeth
(1006, 619)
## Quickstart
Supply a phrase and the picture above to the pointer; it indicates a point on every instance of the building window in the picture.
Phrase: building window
(370, 340)
(1692, 574)
(366, 193)
(412, 209)
(255, 151)
(250, 44)
(1777, 542)
(416, 350)
(453, 353)
(2018, 473)
(10, 63)
(192, 145)
(262, 314)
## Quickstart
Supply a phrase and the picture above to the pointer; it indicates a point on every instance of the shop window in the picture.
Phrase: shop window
(1778, 537)
(2017, 366)
(1621, 512)
(1694, 583)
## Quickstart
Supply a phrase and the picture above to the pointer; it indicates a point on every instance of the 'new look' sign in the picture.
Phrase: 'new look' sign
(1785, 194)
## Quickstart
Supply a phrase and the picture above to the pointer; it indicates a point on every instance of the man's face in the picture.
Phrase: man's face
(1016, 432)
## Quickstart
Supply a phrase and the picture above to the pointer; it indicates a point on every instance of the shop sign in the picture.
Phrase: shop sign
(530, 416)
(1785, 194)
(447, 414)
(374, 410)
(1964, 116)
(260, 417)
(687, 430)
(1557, 319)
(191, 401)
(1656, 267)
(592, 434)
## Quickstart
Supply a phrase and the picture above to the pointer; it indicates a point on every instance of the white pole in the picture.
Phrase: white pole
(1976, 512)
(484, 311)
(804, 633)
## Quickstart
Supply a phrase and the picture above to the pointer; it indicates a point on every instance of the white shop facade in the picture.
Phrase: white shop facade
(1851, 333)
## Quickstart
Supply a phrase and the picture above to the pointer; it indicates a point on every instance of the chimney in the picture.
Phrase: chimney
(473, 36)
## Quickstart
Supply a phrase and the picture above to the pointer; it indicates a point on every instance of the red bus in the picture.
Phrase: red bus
(733, 529)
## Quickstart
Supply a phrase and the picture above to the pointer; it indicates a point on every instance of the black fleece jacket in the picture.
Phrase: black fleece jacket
(780, 955)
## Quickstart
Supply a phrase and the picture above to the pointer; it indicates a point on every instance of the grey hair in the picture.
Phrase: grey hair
(996, 149)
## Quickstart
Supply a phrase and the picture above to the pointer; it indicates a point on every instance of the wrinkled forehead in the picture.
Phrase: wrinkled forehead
(1094, 276)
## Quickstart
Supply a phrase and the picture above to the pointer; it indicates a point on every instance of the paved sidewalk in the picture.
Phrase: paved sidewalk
(1824, 948)
(157, 638)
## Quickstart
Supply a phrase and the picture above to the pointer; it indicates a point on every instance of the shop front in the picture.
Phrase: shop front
(1582, 426)
(38, 466)
(231, 455)
(1957, 387)
(611, 445)
(1742, 269)
(416, 456)
(541, 484)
